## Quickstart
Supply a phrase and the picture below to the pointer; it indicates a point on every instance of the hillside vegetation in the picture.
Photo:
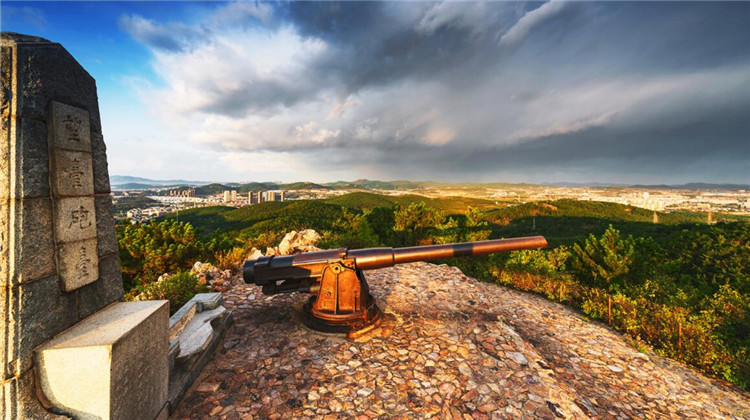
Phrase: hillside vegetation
(680, 285)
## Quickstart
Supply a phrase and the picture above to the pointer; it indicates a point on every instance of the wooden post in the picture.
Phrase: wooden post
(609, 308)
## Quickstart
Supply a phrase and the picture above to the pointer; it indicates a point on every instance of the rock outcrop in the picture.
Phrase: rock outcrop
(296, 242)
(451, 348)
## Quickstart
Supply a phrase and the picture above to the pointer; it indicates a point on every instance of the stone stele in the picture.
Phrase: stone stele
(58, 249)
(103, 357)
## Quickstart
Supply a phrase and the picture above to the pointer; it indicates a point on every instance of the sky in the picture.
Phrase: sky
(505, 91)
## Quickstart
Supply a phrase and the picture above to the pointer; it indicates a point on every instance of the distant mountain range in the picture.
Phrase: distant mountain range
(698, 186)
(125, 179)
(205, 188)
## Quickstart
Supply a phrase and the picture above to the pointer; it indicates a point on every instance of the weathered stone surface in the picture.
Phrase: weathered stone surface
(29, 155)
(46, 72)
(295, 242)
(75, 219)
(197, 333)
(106, 290)
(181, 318)
(207, 301)
(73, 173)
(78, 263)
(493, 353)
(89, 370)
(192, 343)
(182, 375)
(33, 238)
(174, 350)
(42, 312)
(105, 222)
(101, 173)
(33, 305)
(18, 396)
(6, 93)
(164, 413)
(70, 127)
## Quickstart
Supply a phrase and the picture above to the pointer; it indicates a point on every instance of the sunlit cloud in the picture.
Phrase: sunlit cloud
(434, 83)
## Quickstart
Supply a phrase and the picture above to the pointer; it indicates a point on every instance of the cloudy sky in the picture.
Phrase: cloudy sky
(625, 92)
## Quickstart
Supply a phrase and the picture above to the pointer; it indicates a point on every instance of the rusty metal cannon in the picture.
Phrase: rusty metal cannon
(341, 300)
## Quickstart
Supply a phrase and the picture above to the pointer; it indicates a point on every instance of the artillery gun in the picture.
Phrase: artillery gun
(341, 300)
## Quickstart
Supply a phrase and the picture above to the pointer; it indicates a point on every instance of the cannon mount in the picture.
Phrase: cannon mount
(341, 301)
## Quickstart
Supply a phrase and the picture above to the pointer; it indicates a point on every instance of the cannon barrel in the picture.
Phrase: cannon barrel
(303, 268)
(372, 258)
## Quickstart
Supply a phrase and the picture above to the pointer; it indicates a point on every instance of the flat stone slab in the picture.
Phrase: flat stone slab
(111, 365)
(179, 320)
(207, 301)
(451, 348)
(197, 333)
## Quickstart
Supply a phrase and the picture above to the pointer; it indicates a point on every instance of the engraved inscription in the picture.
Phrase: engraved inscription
(75, 219)
(79, 218)
(72, 124)
(78, 263)
(73, 173)
(71, 127)
(72, 179)
(84, 262)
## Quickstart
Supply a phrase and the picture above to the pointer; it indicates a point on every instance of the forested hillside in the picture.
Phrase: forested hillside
(672, 281)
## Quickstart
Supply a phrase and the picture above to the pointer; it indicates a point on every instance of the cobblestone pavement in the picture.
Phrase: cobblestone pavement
(451, 348)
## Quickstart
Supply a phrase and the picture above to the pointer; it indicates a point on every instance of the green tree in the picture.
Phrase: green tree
(475, 228)
(382, 220)
(416, 223)
(352, 230)
(604, 262)
(151, 249)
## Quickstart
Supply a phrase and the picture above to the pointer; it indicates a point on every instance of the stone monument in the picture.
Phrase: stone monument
(63, 325)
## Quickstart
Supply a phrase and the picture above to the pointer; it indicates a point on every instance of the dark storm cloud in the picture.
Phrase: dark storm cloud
(643, 37)
(478, 88)
(707, 140)
(378, 43)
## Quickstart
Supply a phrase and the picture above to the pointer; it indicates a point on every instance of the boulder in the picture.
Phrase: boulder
(297, 242)
(254, 254)
(207, 269)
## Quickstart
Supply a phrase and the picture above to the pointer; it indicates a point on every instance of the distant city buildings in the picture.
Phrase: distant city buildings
(274, 195)
(653, 199)
(190, 192)
(264, 196)
(141, 215)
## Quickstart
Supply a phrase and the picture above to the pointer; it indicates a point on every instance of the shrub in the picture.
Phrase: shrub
(415, 224)
(177, 289)
(151, 249)
(231, 259)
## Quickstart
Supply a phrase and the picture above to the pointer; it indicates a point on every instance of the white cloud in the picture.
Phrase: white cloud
(242, 12)
(269, 92)
(236, 72)
(518, 32)
(474, 16)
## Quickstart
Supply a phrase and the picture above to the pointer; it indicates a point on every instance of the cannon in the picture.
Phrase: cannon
(341, 301)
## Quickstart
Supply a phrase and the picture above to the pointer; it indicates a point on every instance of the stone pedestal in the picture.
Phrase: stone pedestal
(112, 365)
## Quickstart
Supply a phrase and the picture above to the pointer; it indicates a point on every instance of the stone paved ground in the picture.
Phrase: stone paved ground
(452, 348)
